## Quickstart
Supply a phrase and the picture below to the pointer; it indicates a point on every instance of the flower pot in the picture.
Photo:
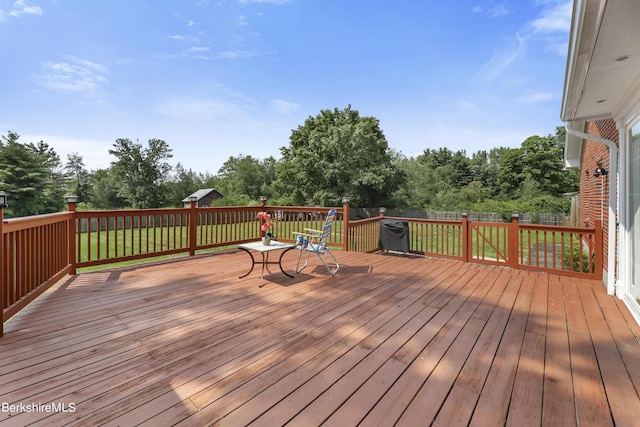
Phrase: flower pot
(266, 241)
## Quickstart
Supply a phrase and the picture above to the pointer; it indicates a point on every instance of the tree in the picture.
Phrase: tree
(247, 178)
(484, 169)
(536, 168)
(461, 199)
(28, 173)
(55, 187)
(78, 177)
(106, 189)
(542, 159)
(449, 171)
(420, 187)
(338, 153)
(141, 171)
(511, 172)
(183, 183)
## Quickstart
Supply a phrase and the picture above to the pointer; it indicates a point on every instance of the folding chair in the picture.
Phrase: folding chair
(315, 241)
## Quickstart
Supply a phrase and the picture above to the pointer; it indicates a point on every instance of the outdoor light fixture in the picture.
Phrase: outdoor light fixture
(515, 214)
(345, 200)
(263, 198)
(600, 171)
(382, 210)
(71, 199)
(3, 200)
(193, 199)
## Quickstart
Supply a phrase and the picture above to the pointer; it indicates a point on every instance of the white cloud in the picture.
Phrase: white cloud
(460, 137)
(498, 10)
(77, 76)
(467, 106)
(21, 8)
(236, 54)
(501, 60)
(536, 97)
(206, 109)
(92, 150)
(282, 106)
(555, 19)
(199, 49)
(182, 37)
(550, 26)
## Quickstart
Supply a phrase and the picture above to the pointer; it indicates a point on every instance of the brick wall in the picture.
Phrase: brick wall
(594, 191)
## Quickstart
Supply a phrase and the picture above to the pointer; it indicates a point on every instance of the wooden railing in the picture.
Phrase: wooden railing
(34, 254)
(105, 237)
(572, 251)
(37, 251)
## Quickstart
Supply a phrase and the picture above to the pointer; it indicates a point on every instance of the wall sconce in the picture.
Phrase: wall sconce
(72, 199)
(600, 171)
(3, 200)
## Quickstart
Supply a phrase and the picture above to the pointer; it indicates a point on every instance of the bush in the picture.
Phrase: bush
(580, 260)
(545, 204)
(504, 208)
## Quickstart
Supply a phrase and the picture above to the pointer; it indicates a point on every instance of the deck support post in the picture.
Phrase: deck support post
(193, 222)
(345, 223)
(512, 251)
(71, 225)
(466, 249)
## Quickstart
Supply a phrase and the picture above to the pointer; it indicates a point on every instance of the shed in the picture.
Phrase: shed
(204, 197)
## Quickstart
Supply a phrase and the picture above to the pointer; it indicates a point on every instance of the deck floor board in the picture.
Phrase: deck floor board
(390, 340)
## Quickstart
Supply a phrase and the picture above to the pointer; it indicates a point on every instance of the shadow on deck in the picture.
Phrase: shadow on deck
(389, 339)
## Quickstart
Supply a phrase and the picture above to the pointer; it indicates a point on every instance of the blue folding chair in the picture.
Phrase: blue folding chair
(315, 241)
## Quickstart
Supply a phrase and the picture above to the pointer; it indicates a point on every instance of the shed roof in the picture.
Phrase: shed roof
(200, 194)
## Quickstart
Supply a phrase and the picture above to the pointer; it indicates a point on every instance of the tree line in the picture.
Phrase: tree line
(333, 154)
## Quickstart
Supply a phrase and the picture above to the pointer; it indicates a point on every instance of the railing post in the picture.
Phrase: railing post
(71, 225)
(3, 204)
(514, 231)
(599, 245)
(345, 223)
(193, 224)
(465, 236)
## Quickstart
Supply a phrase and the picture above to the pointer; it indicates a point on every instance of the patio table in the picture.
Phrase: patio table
(264, 251)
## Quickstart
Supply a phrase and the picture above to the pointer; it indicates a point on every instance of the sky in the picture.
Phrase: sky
(222, 78)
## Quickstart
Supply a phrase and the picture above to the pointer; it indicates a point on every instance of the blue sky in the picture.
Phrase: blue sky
(222, 78)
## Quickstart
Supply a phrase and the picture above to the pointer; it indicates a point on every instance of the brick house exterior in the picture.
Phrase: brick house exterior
(594, 190)
(601, 109)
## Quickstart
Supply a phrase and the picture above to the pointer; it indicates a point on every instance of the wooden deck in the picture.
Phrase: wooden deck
(388, 341)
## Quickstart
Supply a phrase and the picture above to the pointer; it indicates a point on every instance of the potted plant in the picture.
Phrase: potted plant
(267, 224)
